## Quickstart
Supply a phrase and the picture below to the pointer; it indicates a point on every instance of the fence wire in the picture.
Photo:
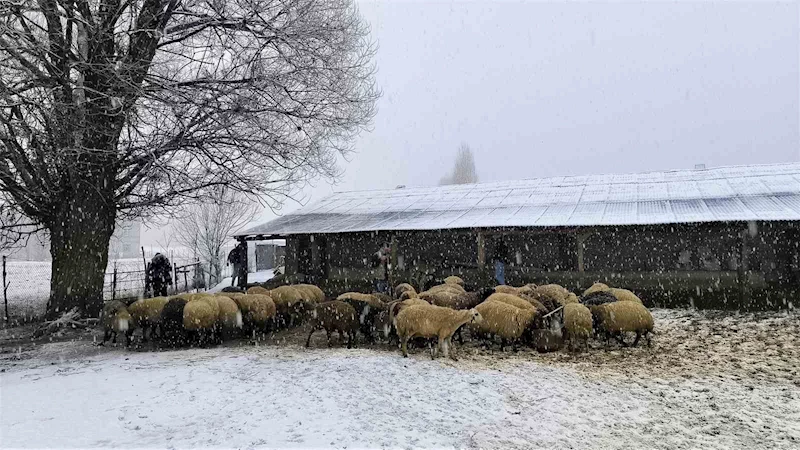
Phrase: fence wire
(27, 283)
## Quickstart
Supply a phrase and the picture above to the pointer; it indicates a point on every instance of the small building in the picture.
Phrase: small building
(723, 237)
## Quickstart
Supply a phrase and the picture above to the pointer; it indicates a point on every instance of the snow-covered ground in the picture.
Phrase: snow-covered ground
(688, 391)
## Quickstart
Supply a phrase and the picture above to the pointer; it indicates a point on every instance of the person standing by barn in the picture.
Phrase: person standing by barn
(380, 259)
(500, 258)
(160, 274)
(238, 258)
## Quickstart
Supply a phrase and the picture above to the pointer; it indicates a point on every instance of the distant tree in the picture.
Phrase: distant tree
(206, 227)
(115, 109)
(464, 171)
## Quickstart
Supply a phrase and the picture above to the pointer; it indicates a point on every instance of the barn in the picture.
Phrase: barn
(712, 238)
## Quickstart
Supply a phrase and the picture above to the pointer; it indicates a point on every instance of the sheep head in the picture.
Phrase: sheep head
(475, 316)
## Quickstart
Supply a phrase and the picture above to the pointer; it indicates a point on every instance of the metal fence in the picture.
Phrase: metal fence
(26, 284)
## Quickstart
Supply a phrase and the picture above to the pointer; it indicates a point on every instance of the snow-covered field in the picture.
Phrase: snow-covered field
(688, 391)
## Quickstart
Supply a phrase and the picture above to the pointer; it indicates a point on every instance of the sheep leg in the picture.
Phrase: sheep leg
(114, 338)
(341, 337)
(621, 338)
(128, 337)
(404, 346)
(638, 336)
(432, 349)
(144, 332)
(106, 336)
(350, 339)
(308, 341)
(647, 337)
(452, 348)
(328, 332)
(445, 347)
(503, 343)
(459, 336)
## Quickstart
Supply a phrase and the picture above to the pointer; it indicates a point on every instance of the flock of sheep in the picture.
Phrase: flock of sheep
(544, 317)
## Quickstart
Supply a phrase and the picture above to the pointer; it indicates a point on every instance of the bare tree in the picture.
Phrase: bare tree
(464, 170)
(207, 226)
(111, 109)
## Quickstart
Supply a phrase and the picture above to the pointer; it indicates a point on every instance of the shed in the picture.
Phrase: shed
(720, 237)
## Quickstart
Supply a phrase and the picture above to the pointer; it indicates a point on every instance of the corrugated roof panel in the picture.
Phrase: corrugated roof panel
(689, 210)
(722, 194)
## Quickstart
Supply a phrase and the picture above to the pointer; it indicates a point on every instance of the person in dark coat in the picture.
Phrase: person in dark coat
(380, 259)
(160, 274)
(500, 260)
(238, 258)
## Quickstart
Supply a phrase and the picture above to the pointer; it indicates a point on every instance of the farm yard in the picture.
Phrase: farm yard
(712, 379)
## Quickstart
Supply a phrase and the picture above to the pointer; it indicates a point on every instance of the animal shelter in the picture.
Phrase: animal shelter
(713, 238)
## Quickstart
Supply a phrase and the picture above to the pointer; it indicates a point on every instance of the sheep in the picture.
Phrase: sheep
(446, 287)
(116, 319)
(625, 295)
(314, 291)
(392, 309)
(510, 299)
(528, 289)
(232, 290)
(505, 289)
(577, 324)
(616, 318)
(430, 322)
(367, 306)
(172, 332)
(200, 319)
(257, 290)
(290, 305)
(408, 295)
(596, 287)
(465, 300)
(385, 298)
(230, 317)
(334, 316)
(598, 298)
(555, 291)
(401, 288)
(452, 279)
(146, 313)
(439, 297)
(258, 312)
(508, 322)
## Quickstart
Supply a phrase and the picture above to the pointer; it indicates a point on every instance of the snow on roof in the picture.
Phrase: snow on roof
(737, 193)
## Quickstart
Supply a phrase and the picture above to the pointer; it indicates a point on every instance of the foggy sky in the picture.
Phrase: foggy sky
(548, 89)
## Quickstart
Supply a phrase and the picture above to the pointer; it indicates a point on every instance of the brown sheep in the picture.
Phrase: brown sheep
(401, 288)
(116, 319)
(408, 295)
(510, 299)
(290, 305)
(465, 300)
(617, 318)
(334, 316)
(367, 307)
(432, 322)
(452, 279)
(596, 287)
(258, 290)
(577, 325)
(146, 313)
(317, 294)
(258, 312)
(446, 287)
(625, 295)
(230, 317)
(508, 322)
(200, 320)
(555, 291)
(505, 289)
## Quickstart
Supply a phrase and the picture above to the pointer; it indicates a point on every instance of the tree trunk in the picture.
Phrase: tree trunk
(79, 244)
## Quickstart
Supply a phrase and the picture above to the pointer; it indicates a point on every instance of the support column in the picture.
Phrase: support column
(743, 277)
(481, 253)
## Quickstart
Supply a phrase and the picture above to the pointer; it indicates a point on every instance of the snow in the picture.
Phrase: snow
(253, 277)
(678, 394)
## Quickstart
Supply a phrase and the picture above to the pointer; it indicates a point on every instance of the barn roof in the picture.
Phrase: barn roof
(737, 193)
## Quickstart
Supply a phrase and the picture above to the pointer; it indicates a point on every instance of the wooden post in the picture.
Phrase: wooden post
(393, 246)
(580, 240)
(481, 252)
(114, 283)
(5, 288)
(742, 272)
(186, 279)
(175, 276)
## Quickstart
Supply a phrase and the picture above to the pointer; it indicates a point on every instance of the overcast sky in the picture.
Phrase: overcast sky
(547, 89)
